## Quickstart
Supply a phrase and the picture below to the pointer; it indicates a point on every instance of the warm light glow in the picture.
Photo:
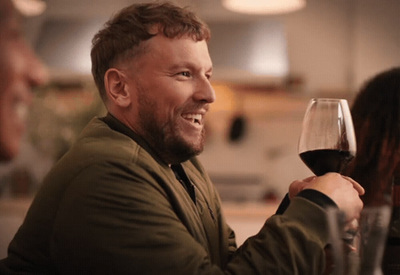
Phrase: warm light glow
(263, 6)
(226, 100)
(30, 7)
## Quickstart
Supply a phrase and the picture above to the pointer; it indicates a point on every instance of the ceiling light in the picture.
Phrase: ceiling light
(30, 7)
(263, 6)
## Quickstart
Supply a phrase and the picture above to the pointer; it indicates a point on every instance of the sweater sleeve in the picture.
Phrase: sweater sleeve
(310, 194)
(291, 243)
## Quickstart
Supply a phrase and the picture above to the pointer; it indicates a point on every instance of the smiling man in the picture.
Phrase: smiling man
(130, 196)
(20, 71)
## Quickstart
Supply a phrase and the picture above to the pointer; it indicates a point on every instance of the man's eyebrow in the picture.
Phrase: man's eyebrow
(188, 65)
(183, 64)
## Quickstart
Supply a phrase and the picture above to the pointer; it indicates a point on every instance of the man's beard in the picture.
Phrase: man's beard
(165, 139)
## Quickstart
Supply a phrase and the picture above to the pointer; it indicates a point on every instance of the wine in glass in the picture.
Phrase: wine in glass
(327, 142)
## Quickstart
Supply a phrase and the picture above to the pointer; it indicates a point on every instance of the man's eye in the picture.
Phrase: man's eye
(186, 74)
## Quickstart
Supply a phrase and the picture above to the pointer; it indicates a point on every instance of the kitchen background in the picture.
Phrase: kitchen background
(267, 67)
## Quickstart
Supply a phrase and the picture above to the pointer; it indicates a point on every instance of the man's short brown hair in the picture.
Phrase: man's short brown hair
(123, 33)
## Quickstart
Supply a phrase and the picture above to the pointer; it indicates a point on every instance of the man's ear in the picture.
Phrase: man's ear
(116, 87)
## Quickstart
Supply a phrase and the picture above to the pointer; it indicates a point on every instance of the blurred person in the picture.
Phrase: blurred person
(20, 71)
(130, 196)
(376, 118)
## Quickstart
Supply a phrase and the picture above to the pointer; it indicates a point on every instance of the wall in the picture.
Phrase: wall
(376, 38)
(336, 45)
(319, 45)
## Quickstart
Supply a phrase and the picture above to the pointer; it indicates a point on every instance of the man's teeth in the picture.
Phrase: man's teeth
(21, 111)
(194, 118)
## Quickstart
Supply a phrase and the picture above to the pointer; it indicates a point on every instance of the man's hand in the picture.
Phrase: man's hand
(344, 191)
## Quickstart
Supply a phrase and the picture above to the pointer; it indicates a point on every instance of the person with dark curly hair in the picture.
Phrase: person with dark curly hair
(376, 119)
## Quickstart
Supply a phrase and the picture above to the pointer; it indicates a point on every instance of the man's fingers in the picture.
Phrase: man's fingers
(356, 185)
(297, 186)
(310, 179)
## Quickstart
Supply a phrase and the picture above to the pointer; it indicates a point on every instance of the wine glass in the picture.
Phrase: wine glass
(327, 142)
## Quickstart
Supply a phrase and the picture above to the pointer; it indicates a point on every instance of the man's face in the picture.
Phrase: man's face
(19, 72)
(172, 95)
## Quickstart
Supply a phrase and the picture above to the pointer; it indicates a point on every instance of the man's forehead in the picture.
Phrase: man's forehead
(162, 42)
(7, 11)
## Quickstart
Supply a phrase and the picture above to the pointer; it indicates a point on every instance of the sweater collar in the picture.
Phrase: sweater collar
(118, 126)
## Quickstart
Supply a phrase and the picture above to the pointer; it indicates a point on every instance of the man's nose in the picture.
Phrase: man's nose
(37, 72)
(205, 92)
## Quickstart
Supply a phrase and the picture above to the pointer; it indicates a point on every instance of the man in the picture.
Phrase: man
(130, 197)
(20, 71)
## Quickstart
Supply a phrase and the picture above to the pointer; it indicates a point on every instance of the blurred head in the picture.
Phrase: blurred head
(20, 71)
(376, 118)
(152, 67)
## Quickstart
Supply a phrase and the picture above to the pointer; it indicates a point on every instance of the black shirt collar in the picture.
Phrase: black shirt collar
(118, 126)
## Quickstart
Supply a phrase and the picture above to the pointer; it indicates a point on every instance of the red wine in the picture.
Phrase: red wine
(326, 160)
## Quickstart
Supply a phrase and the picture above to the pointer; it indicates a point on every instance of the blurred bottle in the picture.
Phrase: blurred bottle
(391, 258)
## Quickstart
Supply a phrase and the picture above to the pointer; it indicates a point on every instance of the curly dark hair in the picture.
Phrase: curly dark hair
(122, 35)
(376, 118)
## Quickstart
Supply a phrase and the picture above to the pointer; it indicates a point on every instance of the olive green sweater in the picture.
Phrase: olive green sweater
(110, 206)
